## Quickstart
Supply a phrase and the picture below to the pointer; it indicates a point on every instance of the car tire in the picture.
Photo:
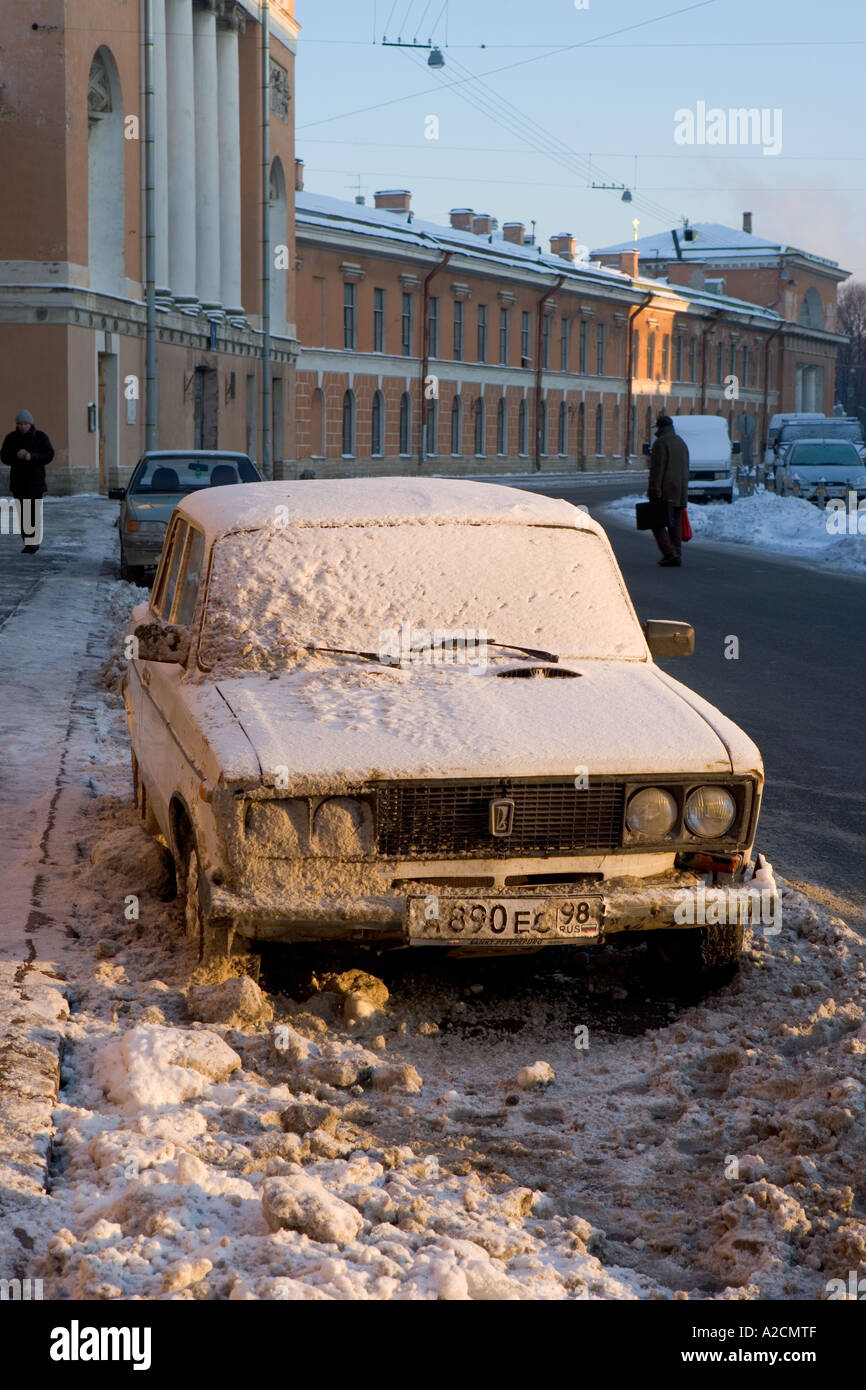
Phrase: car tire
(707, 956)
(193, 921)
(133, 574)
(218, 947)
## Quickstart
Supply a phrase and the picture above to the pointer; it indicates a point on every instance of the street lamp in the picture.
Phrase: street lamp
(436, 60)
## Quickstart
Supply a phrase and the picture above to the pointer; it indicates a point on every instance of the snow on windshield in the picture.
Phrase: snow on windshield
(275, 590)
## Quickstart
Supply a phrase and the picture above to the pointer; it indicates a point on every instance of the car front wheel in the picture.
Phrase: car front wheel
(705, 956)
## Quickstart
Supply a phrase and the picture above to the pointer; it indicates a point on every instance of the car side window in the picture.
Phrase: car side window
(167, 581)
(187, 588)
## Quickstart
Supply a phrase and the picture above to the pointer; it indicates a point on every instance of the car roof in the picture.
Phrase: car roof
(819, 439)
(376, 502)
(194, 454)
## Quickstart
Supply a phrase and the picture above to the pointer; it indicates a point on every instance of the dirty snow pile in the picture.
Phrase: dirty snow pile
(788, 525)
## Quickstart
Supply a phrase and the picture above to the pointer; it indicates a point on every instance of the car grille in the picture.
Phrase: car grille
(435, 819)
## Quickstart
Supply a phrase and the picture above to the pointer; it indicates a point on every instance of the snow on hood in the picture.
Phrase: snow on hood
(335, 725)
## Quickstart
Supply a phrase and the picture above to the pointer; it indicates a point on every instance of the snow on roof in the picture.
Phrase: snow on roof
(376, 501)
(712, 240)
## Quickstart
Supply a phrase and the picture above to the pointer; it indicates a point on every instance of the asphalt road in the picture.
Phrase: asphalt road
(798, 687)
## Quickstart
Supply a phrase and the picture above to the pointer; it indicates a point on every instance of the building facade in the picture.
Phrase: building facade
(470, 349)
(72, 228)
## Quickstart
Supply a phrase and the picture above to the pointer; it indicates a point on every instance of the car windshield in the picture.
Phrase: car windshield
(828, 429)
(182, 473)
(820, 455)
(275, 591)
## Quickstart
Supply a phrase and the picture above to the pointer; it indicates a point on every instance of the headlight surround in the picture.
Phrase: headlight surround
(710, 812)
(651, 813)
(279, 829)
(343, 828)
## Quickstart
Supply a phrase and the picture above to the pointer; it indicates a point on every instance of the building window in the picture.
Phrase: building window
(562, 441)
(431, 436)
(599, 429)
(482, 332)
(650, 356)
(501, 425)
(545, 341)
(348, 425)
(720, 362)
(634, 428)
(406, 327)
(456, 427)
(542, 428)
(433, 328)
(521, 430)
(405, 423)
(377, 433)
(693, 358)
(350, 298)
(732, 360)
(504, 336)
(564, 344)
(635, 355)
(479, 427)
(666, 356)
(581, 434)
(600, 352)
(745, 382)
(378, 320)
(525, 330)
(584, 347)
(459, 319)
(678, 370)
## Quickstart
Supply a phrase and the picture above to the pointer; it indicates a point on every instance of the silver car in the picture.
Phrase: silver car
(820, 469)
(161, 478)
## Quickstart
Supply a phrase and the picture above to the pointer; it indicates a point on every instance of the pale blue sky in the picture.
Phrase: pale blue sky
(614, 98)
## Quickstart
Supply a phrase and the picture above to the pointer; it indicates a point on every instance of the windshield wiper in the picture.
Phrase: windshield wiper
(527, 651)
(346, 651)
(532, 652)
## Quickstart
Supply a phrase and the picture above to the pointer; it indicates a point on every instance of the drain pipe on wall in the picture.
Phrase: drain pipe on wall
(425, 355)
(539, 369)
(630, 374)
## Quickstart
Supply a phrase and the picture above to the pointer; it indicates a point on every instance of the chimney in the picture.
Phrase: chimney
(482, 223)
(628, 263)
(747, 222)
(461, 219)
(393, 199)
(299, 175)
(562, 245)
(514, 231)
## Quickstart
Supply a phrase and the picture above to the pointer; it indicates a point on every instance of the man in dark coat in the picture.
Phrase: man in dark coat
(669, 485)
(26, 451)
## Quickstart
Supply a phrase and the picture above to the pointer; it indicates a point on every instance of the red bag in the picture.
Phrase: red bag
(686, 525)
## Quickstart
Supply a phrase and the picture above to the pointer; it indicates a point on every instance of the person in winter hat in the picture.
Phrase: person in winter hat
(26, 451)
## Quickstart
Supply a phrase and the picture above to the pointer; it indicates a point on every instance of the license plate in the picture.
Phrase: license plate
(456, 921)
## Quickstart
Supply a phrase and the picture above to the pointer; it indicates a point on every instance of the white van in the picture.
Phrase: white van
(711, 469)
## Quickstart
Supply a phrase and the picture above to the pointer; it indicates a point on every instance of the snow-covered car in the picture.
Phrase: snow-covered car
(424, 713)
(818, 469)
(159, 480)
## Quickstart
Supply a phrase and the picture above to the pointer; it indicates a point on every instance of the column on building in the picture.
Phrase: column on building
(207, 156)
(181, 161)
(160, 151)
(228, 90)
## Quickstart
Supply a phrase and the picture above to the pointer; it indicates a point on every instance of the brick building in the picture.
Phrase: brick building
(530, 358)
(799, 285)
(72, 316)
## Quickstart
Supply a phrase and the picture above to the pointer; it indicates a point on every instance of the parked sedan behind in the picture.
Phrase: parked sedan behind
(818, 469)
(161, 478)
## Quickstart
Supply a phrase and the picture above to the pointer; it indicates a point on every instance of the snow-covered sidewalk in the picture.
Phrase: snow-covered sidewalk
(785, 525)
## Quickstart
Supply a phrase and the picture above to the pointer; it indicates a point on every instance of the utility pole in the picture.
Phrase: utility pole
(267, 460)
(151, 399)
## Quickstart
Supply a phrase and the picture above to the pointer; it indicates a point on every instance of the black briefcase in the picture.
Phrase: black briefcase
(651, 515)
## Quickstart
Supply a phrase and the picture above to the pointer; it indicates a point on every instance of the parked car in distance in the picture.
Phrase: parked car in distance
(834, 467)
(160, 479)
(830, 429)
(423, 712)
(795, 417)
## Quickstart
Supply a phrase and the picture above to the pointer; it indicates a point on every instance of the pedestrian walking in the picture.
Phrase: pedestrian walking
(26, 451)
(669, 486)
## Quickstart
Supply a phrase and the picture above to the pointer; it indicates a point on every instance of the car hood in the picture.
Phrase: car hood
(832, 473)
(328, 727)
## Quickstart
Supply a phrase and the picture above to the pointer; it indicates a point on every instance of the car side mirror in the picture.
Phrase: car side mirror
(667, 637)
(116, 494)
(161, 642)
(647, 448)
(736, 448)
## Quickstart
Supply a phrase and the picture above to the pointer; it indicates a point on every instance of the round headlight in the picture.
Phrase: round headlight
(652, 812)
(710, 812)
(343, 828)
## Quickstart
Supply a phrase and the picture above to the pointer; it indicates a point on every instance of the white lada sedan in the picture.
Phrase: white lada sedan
(424, 712)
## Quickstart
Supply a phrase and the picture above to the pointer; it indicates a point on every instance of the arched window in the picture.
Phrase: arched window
(812, 310)
(348, 425)
(562, 442)
(501, 428)
(317, 425)
(599, 429)
(456, 427)
(377, 433)
(542, 428)
(405, 423)
(105, 176)
(521, 430)
(431, 444)
(278, 227)
(479, 427)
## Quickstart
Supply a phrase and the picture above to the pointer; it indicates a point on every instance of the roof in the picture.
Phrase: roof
(195, 454)
(712, 241)
(376, 502)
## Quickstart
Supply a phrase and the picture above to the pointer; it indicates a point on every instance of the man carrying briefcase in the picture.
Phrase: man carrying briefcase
(668, 490)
